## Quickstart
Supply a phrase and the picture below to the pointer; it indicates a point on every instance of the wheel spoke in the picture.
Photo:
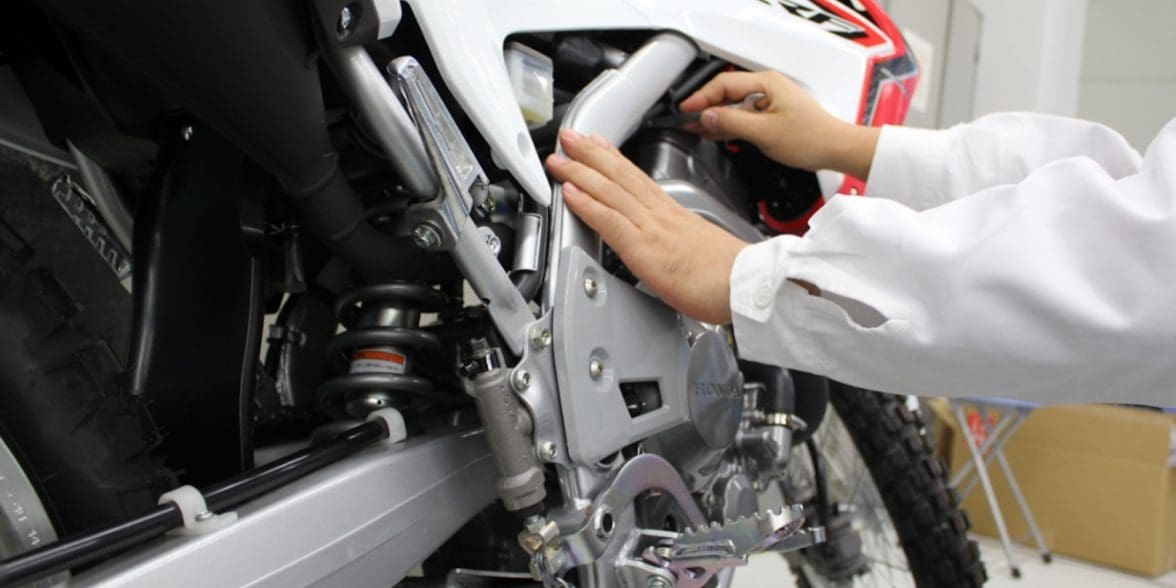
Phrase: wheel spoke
(849, 483)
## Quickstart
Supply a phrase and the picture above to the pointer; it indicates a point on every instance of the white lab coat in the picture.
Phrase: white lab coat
(1023, 256)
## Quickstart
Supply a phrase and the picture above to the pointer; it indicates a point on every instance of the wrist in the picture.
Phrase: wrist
(851, 149)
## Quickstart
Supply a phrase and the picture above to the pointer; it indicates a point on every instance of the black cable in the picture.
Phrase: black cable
(94, 545)
(694, 81)
(89, 547)
(824, 509)
(249, 485)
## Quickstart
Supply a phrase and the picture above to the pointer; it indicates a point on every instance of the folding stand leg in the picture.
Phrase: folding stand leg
(1046, 556)
(982, 472)
(998, 436)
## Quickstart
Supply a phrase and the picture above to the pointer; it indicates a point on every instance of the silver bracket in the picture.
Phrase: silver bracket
(444, 223)
(463, 183)
(641, 474)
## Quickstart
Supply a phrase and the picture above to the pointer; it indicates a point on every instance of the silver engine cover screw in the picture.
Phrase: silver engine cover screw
(426, 236)
(540, 338)
(548, 451)
(590, 287)
(595, 369)
(520, 379)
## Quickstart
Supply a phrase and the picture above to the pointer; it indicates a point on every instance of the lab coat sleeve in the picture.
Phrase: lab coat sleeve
(1052, 285)
(924, 168)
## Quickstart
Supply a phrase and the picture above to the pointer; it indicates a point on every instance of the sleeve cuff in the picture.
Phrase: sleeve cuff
(758, 272)
(764, 306)
(910, 167)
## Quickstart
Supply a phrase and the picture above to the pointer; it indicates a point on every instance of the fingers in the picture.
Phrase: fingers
(595, 153)
(598, 187)
(733, 122)
(613, 227)
(724, 88)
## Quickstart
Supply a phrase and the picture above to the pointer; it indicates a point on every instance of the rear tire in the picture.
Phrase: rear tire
(85, 445)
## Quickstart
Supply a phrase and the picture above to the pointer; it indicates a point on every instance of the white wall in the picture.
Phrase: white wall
(996, 55)
(1128, 76)
(1030, 55)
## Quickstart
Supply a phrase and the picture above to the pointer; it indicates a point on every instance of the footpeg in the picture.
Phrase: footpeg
(698, 554)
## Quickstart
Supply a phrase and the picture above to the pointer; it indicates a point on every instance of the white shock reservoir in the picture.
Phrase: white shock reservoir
(532, 77)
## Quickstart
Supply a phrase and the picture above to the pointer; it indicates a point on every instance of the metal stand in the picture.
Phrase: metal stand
(1012, 417)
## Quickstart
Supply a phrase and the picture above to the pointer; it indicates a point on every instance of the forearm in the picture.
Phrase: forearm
(926, 168)
(1025, 290)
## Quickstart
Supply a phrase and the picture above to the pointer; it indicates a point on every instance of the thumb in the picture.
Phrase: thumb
(732, 122)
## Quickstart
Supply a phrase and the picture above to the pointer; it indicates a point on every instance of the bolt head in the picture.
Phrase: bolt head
(595, 369)
(548, 451)
(531, 543)
(346, 21)
(520, 379)
(426, 236)
(204, 516)
(590, 287)
(658, 583)
(186, 133)
(540, 338)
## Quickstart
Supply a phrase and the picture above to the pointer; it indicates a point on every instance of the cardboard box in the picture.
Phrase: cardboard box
(1098, 479)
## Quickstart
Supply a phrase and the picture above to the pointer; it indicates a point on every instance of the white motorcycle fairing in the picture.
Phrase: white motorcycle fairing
(466, 38)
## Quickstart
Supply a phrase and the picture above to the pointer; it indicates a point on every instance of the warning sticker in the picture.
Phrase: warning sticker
(379, 361)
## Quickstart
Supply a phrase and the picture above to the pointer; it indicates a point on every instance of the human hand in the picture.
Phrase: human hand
(790, 127)
(680, 256)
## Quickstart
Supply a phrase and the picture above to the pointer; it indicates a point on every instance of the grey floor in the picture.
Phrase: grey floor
(770, 570)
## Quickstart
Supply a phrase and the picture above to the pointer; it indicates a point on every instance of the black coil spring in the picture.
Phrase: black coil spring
(348, 308)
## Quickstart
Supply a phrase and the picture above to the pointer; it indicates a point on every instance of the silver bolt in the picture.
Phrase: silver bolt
(590, 287)
(345, 21)
(186, 133)
(426, 236)
(204, 516)
(548, 451)
(540, 338)
(658, 582)
(520, 379)
(595, 369)
(530, 542)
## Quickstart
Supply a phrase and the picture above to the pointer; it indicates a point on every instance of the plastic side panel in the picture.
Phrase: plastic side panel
(653, 349)
(466, 37)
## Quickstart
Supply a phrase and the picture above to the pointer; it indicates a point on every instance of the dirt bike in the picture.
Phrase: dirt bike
(460, 385)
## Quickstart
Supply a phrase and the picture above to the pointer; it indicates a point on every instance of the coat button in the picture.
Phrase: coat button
(763, 296)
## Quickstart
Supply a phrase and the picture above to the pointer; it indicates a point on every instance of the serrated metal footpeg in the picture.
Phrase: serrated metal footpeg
(696, 555)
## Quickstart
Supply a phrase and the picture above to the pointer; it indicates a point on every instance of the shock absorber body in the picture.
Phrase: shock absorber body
(378, 348)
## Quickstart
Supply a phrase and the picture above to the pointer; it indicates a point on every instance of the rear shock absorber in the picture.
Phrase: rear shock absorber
(383, 335)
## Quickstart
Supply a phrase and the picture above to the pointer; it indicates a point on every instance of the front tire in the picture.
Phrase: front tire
(880, 470)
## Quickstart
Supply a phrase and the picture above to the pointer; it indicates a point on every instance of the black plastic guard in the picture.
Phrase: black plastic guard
(198, 307)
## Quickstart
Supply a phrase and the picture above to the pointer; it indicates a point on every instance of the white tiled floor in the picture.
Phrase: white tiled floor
(771, 571)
